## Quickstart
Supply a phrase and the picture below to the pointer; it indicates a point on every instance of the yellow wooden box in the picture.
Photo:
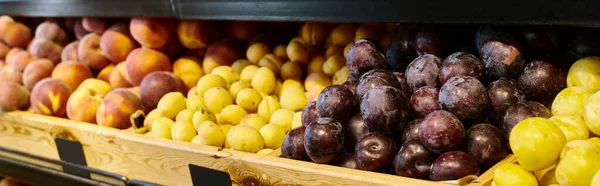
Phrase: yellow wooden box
(164, 161)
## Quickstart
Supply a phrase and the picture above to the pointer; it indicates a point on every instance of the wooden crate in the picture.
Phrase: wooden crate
(166, 161)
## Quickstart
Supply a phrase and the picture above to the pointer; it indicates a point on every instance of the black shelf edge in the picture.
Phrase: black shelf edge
(93, 8)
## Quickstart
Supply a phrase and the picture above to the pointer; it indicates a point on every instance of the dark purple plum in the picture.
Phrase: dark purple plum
(350, 84)
(349, 161)
(376, 78)
(440, 132)
(309, 114)
(541, 81)
(402, 49)
(404, 86)
(430, 40)
(585, 42)
(461, 63)
(502, 94)
(463, 96)
(411, 131)
(453, 165)
(384, 110)
(487, 144)
(363, 57)
(324, 140)
(293, 144)
(501, 59)
(424, 101)
(414, 160)
(423, 71)
(542, 42)
(355, 130)
(522, 111)
(375, 152)
(337, 102)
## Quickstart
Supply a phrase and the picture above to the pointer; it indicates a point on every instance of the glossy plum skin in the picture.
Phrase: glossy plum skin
(355, 130)
(403, 84)
(412, 130)
(424, 101)
(324, 140)
(423, 71)
(461, 63)
(463, 96)
(503, 93)
(453, 165)
(337, 102)
(374, 152)
(430, 40)
(293, 144)
(363, 56)
(350, 84)
(500, 51)
(414, 160)
(487, 144)
(522, 111)
(375, 78)
(402, 49)
(440, 132)
(542, 81)
(349, 161)
(384, 110)
(309, 114)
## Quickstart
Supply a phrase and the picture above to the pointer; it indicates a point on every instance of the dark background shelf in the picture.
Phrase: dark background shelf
(96, 8)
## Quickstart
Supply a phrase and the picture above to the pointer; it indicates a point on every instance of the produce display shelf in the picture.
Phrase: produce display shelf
(433, 11)
(166, 162)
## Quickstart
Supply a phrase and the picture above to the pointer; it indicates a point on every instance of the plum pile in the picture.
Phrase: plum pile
(432, 108)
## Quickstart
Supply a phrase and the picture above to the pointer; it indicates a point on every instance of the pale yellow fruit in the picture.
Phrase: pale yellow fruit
(333, 50)
(333, 64)
(316, 79)
(264, 80)
(219, 119)
(267, 106)
(162, 127)
(257, 51)
(188, 65)
(151, 117)
(225, 129)
(245, 138)
(232, 114)
(253, 120)
(316, 65)
(283, 118)
(247, 73)
(278, 87)
(264, 95)
(546, 176)
(578, 167)
(239, 65)
(291, 70)
(297, 52)
(366, 31)
(585, 72)
(248, 99)
(236, 87)
(595, 140)
(343, 34)
(264, 151)
(341, 76)
(227, 73)
(171, 104)
(280, 52)
(209, 133)
(297, 121)
(183, 131)
(272, 62)
(186, 115)
(571, 100)
(201, 116)
(509, 174)
(596, 179)
(273, 135)
(536, 143)
(313, 33)
(576, 144)
(194, 101)
(572, 126)
(592, 113)
(346, 49)
(292, 95)
(216, 99)
(210, 81)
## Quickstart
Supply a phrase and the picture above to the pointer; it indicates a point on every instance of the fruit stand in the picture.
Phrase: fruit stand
(298, 93)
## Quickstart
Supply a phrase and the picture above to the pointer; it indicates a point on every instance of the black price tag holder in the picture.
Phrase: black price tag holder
(72, 152)
(202, 176)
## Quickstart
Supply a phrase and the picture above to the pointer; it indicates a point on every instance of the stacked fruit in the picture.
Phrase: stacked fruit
(365, 123)
(559, 150)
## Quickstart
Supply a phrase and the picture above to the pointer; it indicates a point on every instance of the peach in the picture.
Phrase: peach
(52, 31)
(173, 49)
(152, 33)
(241, 30)
(70, 52)
(69, 23)
(99, 86)
(89, 52)
(13, 97)
(72, 73)
(18, 60)
(116, 108)
(79, 30)
(195, 34)
(43, 48)
(156, 84)
(95, 25)
(8, 74)
(142, 61)
(49, 97)
(36, 71)
(117, 42)
(117, 78)
(88, 99)
(190, 80)
(187, 64)
(104, 74)
(12, 52)
(3, 50)
(223, 52)
(4, 22)
(16, 34)
(2, 63)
